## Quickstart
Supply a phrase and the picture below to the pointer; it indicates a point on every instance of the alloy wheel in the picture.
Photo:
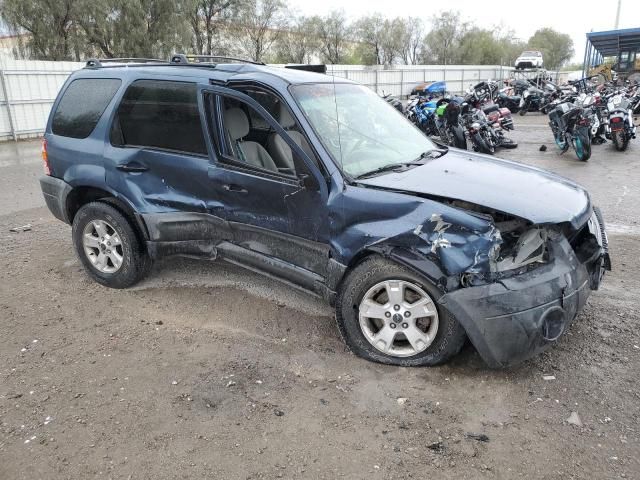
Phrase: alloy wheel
(398, 318)
(102, 246)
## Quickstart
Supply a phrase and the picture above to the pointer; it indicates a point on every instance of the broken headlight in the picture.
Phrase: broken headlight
(520, 249)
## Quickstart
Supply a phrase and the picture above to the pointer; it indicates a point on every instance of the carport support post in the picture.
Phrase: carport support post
(7, 102)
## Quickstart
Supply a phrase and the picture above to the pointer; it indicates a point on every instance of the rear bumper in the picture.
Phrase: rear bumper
(55, 193)
(515, 318)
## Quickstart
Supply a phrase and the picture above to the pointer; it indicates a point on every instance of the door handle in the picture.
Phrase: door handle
(132, 167)
(230, 187)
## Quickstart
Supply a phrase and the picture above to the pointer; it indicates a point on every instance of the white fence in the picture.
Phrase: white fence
(27, 91)
(29, 88)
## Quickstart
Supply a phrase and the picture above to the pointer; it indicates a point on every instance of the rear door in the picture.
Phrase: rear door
(157, 158)
(273, 213)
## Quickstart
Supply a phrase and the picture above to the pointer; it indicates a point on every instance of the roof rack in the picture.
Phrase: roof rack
(97, 63)
(182, 59)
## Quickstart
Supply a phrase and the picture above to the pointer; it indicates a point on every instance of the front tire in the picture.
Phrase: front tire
(582, 146)
(108, 247)
(378, 293)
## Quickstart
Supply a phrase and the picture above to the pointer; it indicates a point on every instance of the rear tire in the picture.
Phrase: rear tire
(620, 140)
(449, 336)
(459, 139)
(98, 258)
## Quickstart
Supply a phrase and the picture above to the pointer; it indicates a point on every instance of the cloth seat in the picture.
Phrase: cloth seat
(237, 127)
(278, 148)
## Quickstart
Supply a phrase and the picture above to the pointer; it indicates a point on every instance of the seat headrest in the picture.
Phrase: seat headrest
(284, 117)
(236, 122)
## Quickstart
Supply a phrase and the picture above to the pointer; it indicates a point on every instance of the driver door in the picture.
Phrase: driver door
(278, 217)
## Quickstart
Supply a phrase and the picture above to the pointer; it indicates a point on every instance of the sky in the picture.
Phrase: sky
(575, 18)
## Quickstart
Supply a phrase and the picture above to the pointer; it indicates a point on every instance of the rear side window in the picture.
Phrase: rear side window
(82, 105)
(160, 114)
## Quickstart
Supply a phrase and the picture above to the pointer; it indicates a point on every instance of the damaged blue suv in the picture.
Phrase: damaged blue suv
(318, 182)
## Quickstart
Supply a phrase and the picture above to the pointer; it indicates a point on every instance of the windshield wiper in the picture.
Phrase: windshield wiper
(433, 153)
(386, 168)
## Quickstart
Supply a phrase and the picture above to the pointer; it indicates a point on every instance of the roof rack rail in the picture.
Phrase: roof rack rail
(183, 59)
(98, 62)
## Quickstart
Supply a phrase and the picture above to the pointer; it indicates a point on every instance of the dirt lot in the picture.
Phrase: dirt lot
(208, 371)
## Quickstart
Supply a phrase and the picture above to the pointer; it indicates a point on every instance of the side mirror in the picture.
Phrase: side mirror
(307, 182)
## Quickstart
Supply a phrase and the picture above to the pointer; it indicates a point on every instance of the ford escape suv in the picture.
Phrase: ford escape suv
(317, 182)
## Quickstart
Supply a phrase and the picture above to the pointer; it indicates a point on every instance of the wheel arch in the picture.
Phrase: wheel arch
(419, 264)
(82, 195)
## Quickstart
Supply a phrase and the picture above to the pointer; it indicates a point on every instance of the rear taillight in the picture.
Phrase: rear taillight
(616, 119)
(45, 158)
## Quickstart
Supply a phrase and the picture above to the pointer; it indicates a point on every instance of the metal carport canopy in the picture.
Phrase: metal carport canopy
(611, 42)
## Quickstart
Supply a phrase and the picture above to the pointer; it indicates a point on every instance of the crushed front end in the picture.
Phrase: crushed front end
(538, 279)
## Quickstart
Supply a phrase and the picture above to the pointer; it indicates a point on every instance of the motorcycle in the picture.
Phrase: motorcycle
(505, 99)
(421, 113)
(393, 101)
(620, 122)
(571, 126)
(536, 99)
(447, 122)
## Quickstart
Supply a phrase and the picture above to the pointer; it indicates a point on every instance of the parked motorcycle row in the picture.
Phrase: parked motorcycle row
(474, 118)
(592, 114)
(581, 113)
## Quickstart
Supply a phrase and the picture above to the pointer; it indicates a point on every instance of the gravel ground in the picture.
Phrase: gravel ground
(208, 371)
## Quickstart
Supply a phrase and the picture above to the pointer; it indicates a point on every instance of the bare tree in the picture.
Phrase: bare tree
(259, 24)
(334, 34)
(298, 43)
(411, 31)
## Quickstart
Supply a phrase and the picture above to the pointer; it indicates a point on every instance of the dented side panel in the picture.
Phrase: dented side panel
(455, 240)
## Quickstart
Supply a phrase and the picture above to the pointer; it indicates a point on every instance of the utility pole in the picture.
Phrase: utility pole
(618, 14)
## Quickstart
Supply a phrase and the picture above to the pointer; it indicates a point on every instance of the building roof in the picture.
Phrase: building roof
(611, 42)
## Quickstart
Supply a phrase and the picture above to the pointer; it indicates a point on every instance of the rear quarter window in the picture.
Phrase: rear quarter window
(82, 105)
(160, 114)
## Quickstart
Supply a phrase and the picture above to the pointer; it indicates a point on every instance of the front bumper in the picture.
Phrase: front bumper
(515, 318)
(55, 193)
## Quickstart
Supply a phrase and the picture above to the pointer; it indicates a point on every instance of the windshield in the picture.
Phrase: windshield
(361, 131)
(531, 54)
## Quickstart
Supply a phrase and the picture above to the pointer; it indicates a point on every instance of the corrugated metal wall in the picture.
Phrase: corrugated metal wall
(27, 91)
(401, 80)
(29, 88)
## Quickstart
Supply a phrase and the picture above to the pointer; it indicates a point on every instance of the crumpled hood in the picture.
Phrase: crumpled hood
(533, 194)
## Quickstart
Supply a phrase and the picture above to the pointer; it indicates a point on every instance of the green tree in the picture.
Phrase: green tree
(483, 47)
(50, 23)
(205, 18)
(556, 47)
(442, 43)
(134, 28)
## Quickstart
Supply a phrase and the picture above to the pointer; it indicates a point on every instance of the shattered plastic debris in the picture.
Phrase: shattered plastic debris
(574, 419)
(23, 228)
(548, 377)
(481, 437)
(401, 401)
